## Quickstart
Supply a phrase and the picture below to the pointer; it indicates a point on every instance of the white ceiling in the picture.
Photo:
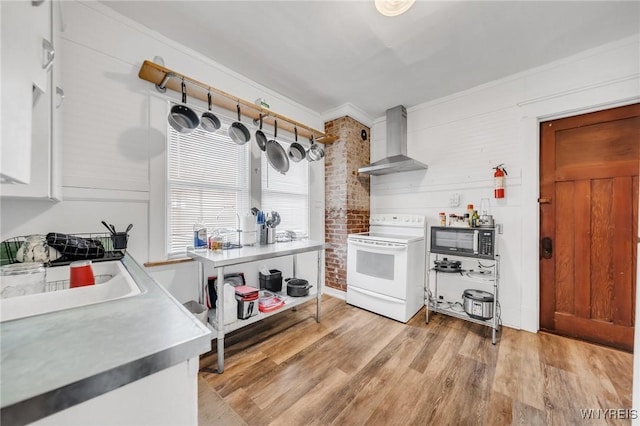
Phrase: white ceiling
(324, 54)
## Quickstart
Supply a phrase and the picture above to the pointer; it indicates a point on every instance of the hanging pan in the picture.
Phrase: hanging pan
(209, 121)
(316, 151)
(296, 151)
(182, 118)
(276, 155)
(261, 138)
(238, 132)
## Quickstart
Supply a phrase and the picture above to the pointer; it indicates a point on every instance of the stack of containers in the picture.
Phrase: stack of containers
(247, 298)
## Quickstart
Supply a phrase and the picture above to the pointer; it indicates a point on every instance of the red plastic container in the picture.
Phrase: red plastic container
(81, 274)
(270, 304)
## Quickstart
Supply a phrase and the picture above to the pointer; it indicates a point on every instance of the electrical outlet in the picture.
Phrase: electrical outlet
(454, 200)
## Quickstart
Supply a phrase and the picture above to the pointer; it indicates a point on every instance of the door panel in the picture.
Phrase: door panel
(589, 168)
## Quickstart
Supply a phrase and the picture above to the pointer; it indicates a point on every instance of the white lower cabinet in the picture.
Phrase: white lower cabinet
(168, 397)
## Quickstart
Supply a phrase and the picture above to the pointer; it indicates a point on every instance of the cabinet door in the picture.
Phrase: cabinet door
(17, 61)
(45, 152)
(41, 44)
(57, 100)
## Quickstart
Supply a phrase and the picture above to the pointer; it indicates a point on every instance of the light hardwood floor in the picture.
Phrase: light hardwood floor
(355, 367)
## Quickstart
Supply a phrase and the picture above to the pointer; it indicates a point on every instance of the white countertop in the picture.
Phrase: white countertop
(254, 253)
(56, 360)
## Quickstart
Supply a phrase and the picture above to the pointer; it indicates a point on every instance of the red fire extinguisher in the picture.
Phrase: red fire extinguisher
(498, 177)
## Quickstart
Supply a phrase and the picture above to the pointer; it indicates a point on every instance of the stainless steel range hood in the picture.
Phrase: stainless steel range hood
(396, 160)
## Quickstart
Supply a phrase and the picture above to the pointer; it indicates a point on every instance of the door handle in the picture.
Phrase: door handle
(547, 248)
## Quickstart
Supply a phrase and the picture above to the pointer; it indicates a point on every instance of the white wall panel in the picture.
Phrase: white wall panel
(111, 142)
(461, 137)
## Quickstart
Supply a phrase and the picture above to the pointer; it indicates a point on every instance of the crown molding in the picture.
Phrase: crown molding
(348, 110)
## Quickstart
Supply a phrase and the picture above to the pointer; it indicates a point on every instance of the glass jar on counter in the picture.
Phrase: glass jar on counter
(443, 219)
(20, 279)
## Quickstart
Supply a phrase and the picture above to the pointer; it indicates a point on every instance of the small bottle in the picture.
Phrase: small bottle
(443, 219)
(475, 219)
(199, 235)
(470, 212)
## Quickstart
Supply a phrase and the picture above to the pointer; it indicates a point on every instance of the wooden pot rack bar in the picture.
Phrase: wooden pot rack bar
(165, 78)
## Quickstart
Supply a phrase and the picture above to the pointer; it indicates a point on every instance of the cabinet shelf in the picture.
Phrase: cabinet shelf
(166, 78)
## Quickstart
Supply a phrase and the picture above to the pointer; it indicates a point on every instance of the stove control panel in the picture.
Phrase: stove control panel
(400, 220)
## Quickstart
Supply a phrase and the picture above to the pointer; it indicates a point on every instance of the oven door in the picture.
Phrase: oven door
(378, 266)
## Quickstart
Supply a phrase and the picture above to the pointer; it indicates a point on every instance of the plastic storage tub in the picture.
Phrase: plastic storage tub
(271, 282)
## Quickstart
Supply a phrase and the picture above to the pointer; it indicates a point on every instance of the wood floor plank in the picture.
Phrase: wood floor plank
(390, 383)
(563, 396)
(304, 410)
(500, 409)
(527, 415)
(432, 341)
(213, 410)
(356, 367)
(530, 369)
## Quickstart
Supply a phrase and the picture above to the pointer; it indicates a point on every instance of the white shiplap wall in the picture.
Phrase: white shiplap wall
(112, 144)
(461, 137)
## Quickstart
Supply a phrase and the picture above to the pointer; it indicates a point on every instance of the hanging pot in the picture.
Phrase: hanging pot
(296, 151)
(261, 138)
(238, 132)
(182, 118)
(209, 122)
(316, 151)
(276, 154)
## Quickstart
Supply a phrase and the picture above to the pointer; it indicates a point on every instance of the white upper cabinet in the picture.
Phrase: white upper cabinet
(30, 99)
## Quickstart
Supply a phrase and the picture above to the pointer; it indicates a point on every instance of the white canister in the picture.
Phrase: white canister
(248, 228)
(230, 306)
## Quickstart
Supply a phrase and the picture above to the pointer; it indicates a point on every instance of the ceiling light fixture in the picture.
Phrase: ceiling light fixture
(393, 7)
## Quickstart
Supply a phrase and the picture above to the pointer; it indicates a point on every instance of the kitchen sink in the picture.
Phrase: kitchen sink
(112, 282)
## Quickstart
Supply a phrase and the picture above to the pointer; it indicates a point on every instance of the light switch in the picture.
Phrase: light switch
(454, 201)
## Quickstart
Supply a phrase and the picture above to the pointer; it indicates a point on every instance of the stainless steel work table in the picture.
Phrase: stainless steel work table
(221, 259)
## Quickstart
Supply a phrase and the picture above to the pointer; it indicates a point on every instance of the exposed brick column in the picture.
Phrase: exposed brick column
(346, 194)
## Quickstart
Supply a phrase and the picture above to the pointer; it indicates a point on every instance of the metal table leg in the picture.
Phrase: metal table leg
(319, 286)
(220, 317)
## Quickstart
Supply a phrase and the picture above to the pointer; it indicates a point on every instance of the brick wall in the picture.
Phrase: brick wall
(346, 194)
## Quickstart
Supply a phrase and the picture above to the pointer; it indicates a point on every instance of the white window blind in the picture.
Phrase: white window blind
(208, 179)
(287, 194)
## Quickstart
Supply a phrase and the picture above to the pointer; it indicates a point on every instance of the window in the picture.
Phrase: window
(208, 179)
(287, 194)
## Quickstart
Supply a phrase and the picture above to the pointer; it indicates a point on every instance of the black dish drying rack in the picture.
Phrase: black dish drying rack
(9, 249)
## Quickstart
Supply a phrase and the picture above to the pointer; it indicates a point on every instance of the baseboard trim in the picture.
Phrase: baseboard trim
(334, 292)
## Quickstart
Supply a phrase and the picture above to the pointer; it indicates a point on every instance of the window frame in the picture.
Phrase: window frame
(159, 107)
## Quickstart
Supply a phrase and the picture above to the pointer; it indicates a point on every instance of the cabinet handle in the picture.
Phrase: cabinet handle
(60, 93)
(48, 53)
(36, 3)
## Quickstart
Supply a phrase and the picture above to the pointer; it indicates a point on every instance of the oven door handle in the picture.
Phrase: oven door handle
(386, 246)
(375, 295)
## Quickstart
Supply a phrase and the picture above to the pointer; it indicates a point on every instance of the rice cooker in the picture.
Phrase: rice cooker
(478, 304)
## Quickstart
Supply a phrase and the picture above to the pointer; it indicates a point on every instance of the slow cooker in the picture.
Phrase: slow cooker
(478, 304)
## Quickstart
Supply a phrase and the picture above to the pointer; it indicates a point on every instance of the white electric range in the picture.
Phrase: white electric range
(386, 266)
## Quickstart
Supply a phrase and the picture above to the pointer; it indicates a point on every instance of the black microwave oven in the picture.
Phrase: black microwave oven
(471, 242)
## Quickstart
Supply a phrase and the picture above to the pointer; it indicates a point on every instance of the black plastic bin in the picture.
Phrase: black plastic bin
(271, 282)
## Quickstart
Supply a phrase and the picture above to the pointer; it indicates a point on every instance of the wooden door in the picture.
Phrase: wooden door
(589, 225)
